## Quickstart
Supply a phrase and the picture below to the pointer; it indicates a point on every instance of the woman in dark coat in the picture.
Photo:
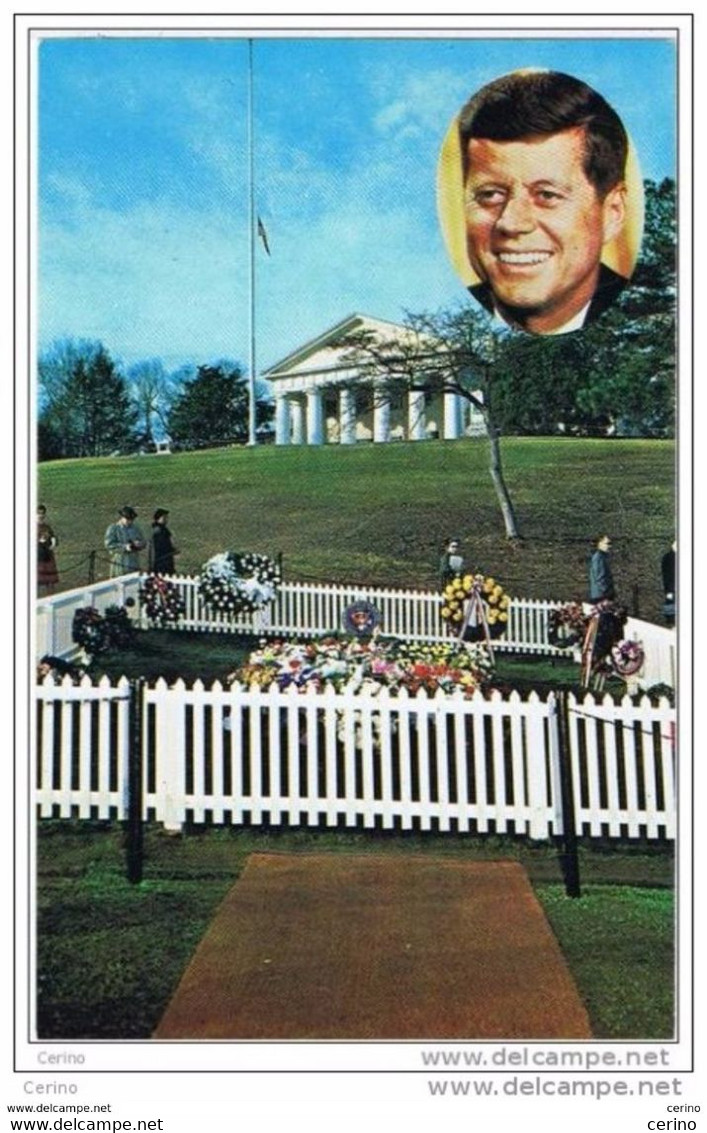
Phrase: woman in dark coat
(162, 548)
(47, 573)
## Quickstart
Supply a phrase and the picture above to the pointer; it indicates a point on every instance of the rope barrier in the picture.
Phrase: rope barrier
(622, 724)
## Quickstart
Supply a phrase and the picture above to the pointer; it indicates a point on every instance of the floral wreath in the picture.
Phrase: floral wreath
(361, 618)
(95, 632)
(627, 658)
(161, 600)
(460, 590)
(232, 583)
(567, 625)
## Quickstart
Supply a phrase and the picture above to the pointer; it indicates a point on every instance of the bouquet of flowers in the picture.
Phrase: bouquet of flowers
(627, 658)
(365, 666)
(88, 630)
(96, 632)
(361, 618)
(611, 619)
(567, 625)
(490, 598)
(161, 601)
(232, 583)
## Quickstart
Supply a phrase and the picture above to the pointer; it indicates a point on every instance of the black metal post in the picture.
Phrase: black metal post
(569, 856)
(134, 826)
(636, 600)
(91, 567)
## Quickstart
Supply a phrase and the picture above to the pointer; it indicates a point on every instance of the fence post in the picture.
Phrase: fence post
(569, 856)
(91, 567)
(134, 825)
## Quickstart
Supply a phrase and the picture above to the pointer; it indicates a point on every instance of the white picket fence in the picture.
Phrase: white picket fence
(244, 756)
(54, 614)
(312, 609)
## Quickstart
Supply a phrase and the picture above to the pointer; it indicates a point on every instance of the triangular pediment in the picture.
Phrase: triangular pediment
(322, 355)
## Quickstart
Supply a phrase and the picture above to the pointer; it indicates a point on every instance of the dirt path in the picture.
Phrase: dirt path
(347, 946)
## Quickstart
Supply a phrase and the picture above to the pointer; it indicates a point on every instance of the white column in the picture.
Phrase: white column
(347, 416)
(297, 415)
(452, 416)
(381, 416)
(315, 417)
(282, 420)
(416, 415)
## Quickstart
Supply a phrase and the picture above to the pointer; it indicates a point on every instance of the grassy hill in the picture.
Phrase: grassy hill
(380, 514)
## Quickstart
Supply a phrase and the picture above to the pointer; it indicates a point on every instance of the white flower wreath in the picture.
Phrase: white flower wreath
(235, 583)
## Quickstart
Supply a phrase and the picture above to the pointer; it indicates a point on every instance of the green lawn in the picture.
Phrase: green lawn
(380, 514)
(110, 954)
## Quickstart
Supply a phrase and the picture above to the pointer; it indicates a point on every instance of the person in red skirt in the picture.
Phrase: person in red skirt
(47, 573)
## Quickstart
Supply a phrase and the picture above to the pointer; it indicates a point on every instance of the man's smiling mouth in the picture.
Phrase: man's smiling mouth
(523, 257)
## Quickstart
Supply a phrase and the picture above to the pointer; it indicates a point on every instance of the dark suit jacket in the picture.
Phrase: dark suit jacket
(609, 286)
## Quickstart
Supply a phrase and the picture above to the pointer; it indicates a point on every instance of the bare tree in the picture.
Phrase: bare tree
(149, 386)
(457, 352)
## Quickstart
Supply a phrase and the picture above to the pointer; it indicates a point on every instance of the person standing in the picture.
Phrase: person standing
(47, 573)
(451, 564)
(668, 567)
(601, 579)
(124, 541)
(162, 549)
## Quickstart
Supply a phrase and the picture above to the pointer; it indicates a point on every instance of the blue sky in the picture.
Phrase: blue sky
(143, 179)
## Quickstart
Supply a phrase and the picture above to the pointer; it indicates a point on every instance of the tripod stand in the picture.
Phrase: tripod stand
(475, 616)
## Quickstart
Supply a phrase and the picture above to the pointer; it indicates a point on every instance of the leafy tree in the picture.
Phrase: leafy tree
(212, 408)
(85, 408)
(49, 443)
(627, 358)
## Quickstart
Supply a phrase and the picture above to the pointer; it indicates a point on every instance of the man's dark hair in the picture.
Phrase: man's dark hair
(545, 102)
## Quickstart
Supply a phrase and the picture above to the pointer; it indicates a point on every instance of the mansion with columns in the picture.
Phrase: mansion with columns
(321, 399)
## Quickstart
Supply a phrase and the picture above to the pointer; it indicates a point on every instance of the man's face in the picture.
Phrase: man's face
(535, 226)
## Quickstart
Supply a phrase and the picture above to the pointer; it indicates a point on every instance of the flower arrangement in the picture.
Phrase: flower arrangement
(476, 588)
(232, 583)
(627, 658)
(361, 618)
(96, 632)
(365, 666)
(161, 601)
(610, 620)
(567, 625)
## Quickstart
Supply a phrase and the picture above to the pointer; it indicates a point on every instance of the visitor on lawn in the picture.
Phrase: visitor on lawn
(601, 580)
(124, 541)
(47, 573)
(668, 566)
(162, 549)
(451, 564)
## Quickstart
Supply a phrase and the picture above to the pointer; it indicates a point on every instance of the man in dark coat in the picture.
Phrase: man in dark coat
(601, 581)
(668, 568)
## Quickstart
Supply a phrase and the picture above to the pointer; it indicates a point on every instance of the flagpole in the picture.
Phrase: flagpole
(251, 251)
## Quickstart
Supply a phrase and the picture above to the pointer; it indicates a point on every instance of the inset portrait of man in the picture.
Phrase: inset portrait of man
(540, 201)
